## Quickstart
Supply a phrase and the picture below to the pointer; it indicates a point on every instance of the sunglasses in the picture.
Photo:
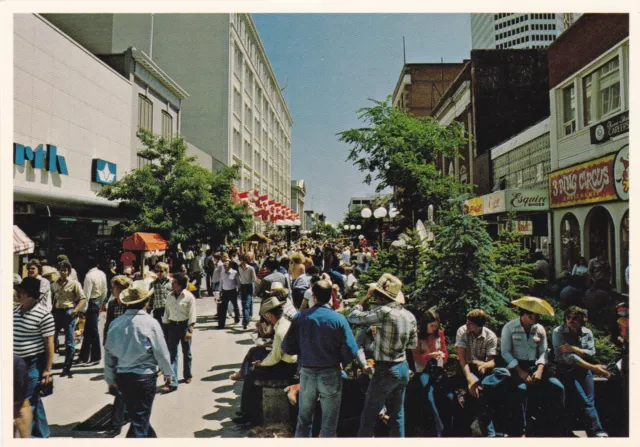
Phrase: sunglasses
(573, 318)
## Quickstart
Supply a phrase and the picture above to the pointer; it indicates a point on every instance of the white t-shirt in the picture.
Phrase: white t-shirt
(346, 257)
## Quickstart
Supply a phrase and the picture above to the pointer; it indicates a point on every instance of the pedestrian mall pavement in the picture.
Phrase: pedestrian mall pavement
(201, 409)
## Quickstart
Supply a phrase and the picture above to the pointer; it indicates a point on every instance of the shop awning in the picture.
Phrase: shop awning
(145, 242)
(21, 242)
(257, 237)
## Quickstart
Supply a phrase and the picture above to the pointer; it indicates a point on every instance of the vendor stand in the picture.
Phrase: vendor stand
(22, 245)
(258, 244)
(147, 245)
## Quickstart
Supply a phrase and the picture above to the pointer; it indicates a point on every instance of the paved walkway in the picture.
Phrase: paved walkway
(201, 409)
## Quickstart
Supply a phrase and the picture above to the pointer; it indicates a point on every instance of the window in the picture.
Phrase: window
(143, 162)
(248, 117)
(145, 113)
(256, 162)
(237, 103)
(237, 63)
(167, 125)
(601, 91)
(569, 109)
(237, 143)
(247, 154)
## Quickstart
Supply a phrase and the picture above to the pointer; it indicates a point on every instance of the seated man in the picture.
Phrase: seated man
(477, 347)
(277, 365)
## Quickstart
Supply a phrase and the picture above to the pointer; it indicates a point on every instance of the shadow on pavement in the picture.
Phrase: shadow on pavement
(232, 366)
(87, 371)
(222, 414)
(217, 377)
(97, 378)
(66, 431)
(226, 389)
(245, 342)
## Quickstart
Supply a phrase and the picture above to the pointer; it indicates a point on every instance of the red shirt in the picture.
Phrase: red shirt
(423, 358)
(127, 259)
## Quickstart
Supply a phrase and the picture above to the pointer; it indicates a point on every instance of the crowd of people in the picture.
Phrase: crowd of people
(314, 334)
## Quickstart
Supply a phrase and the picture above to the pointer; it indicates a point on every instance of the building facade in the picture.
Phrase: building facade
(421, 86)
(517, 30)
(298, 193)
(236, 113)
(589, 131)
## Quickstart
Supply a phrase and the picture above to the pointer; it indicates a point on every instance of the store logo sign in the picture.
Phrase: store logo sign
(40, 158)
(104, 172)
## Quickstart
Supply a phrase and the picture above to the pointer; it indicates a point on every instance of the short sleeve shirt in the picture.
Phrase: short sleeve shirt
(478, 347)
(67, 294)
(127, 259)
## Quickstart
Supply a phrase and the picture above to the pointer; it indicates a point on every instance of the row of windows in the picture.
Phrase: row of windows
(518, 41)
(145, 118)
(543, 26)
(520, 19)
(599, 93)
(512, 32)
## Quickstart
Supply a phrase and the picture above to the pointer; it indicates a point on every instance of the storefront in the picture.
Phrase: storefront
(72, 134)
(530, 208)
(591, 212)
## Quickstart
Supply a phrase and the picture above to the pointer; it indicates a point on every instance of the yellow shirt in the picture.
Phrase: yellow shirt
(67, 294)
(277, 355)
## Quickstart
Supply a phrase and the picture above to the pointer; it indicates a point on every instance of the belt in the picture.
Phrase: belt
(386, 362)
(178, 322)
(320, 366)
(230, 290)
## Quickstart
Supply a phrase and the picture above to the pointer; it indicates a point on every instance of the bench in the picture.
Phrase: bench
(275, 403)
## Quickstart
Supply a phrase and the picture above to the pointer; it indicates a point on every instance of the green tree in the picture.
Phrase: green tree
(322, 230)
(177, 198)
(459, 272)
(399, 151)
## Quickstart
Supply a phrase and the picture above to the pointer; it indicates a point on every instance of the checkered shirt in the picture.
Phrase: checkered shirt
(480, 347)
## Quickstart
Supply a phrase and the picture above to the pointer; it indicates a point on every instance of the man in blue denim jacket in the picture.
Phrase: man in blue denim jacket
(524, 349)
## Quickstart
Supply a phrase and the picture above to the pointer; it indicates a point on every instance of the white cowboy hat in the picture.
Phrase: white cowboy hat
(389, 286)
(276, 286)
(134, 295)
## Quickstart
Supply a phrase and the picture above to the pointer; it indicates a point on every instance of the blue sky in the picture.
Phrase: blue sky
(332, 64)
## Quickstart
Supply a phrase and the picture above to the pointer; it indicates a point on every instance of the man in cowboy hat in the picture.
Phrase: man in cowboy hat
(135, 348)
(277, 365)
(524, 349)
(322, 339)
(396, 333)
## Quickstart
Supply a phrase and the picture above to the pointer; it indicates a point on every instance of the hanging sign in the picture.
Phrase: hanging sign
(610, 128)
(494, 203)
(473, 206)
(527, 199)
(621, 173)
(585, 183)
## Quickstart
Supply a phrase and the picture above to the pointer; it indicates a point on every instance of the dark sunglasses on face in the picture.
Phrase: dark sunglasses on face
(573, 318)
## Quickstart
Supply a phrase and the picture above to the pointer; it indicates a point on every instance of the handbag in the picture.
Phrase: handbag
(46, 389)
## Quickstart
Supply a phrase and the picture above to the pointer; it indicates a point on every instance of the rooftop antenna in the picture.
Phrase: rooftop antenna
(404, 51)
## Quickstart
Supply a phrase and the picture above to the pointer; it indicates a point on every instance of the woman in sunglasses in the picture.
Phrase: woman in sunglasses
(574, 349)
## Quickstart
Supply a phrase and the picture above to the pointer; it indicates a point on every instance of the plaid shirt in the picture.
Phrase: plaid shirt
(397, 330)
(161, 291)
(477, 348)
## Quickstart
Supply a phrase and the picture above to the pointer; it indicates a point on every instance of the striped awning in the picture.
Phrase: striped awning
(21, 242)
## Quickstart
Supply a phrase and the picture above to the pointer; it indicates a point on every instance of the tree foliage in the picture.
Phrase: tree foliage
(177, 198)
(323, 230)
(399, 151)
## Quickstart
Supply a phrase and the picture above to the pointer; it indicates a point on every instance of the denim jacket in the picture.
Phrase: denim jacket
(516, 345)
(562, 335)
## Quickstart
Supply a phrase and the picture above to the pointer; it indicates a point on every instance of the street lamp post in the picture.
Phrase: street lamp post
(379, 214)
(288, 225)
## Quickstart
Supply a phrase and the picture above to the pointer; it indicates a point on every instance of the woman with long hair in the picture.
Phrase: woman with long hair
(296, 266)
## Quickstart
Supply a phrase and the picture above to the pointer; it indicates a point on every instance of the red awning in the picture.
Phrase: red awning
(145, 242)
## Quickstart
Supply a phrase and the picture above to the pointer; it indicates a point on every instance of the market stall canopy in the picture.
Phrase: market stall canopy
(259, 238)
(21, 242)
(145, 242)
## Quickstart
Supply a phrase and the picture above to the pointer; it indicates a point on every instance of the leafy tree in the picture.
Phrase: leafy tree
(322, 230)
(460, 272)
(177, 198)
(399, 151)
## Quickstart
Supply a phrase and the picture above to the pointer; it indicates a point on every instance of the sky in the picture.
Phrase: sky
(331, 65)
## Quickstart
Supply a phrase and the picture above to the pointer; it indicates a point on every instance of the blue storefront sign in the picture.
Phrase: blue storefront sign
(104, 172)
(40, 158)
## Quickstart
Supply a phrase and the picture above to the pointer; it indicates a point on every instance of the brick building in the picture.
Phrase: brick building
(421, 86)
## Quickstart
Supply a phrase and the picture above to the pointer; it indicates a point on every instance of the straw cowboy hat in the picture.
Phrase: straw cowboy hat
(50, 273)
(535, 305)
(134, 295)
(389, 286)
(277, 285)
(269, 305)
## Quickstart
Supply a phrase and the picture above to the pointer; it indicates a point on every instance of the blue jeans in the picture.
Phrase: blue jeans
(579, 385)
(388, 384)
(138, 391)
(63, 320)
(327, 384)
(175, 336)
(431, 396)
(246, 296)
(39, 424)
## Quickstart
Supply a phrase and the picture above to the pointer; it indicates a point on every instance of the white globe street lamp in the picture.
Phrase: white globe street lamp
(380, 213)
(366, 213)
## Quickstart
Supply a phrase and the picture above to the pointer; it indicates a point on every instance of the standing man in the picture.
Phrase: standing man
(247, 283)
(524, 349)
(161, 287)
(33, 330)
(196, 270)
(95, 290)
(135, 347)
(272, 266)
(180, 318)
(397, 332)
(322, 339)
(35, 271)
(219, 267)
(229, 285)
(209, 267)
(599, 268)
(68, 299)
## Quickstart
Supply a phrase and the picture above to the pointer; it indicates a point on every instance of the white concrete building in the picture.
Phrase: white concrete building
(517, 30)
(236, 112)
(589, 132)
(298, 193)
